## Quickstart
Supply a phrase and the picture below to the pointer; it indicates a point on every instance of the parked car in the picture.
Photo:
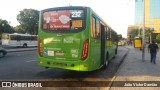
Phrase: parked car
(3, 52)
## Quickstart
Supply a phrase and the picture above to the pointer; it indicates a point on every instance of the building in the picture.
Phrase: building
(152, 14)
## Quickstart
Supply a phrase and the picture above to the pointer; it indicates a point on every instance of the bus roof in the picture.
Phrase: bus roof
(64, 7)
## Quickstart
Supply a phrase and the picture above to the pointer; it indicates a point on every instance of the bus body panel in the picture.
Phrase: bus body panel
(64, 46)
(58, 52)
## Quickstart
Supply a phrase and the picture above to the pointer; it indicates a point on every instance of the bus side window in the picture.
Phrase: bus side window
(22, 37)
(116, 37)
(105, 33)
(93, 27)
(18, 38)
(15, 37)
(98, 29)
(33, 38)
(108, 34)
(112, 38)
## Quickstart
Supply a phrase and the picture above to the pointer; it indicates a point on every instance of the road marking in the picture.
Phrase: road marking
(30, 61)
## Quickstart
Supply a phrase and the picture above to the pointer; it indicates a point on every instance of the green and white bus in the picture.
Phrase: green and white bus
(74, 38)
(19, 40)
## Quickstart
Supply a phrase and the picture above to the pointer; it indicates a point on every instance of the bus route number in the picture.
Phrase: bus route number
(76, 14)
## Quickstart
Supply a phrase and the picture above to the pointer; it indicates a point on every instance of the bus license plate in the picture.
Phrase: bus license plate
(50, 53)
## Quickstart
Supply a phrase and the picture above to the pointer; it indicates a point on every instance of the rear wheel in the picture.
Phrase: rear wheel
(25, 45)
(107, 61)
(2, 54)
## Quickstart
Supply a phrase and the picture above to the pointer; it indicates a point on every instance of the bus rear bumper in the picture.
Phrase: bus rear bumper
(76, 65)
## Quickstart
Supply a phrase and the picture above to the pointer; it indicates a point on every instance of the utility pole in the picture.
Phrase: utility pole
(143, 38)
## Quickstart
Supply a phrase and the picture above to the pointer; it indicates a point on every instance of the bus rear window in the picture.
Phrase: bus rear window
(63, 20)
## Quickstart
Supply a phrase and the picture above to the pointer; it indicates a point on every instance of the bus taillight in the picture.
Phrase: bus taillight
(85, 50)
(40, 47)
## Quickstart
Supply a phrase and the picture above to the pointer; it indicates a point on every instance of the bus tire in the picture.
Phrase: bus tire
(2, 54)
(106, 62)
(25, 45)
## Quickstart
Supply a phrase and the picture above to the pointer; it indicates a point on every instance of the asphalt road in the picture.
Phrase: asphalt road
(23, 66)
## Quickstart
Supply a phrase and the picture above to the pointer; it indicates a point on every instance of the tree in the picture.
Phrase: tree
(158, 38)
(5, 27)
(134, 33)
(139, 33)
(28, 19)
(19, 29)
(119, 37)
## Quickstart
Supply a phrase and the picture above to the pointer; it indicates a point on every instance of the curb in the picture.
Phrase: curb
(10, 51)
(114, 77)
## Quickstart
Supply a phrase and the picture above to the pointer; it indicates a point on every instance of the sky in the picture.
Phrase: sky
(116, 13)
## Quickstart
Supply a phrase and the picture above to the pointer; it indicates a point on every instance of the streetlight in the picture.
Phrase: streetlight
(143, 38)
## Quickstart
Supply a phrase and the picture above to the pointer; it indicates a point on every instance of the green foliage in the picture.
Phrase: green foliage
(139, 33)
(119, 37)
(134, 33)
(158, 38)
(28, 19)
(148, 32)
(5, 27)
(19, 29)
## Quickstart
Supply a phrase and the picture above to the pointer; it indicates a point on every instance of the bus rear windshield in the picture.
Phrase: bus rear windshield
(63, 20)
